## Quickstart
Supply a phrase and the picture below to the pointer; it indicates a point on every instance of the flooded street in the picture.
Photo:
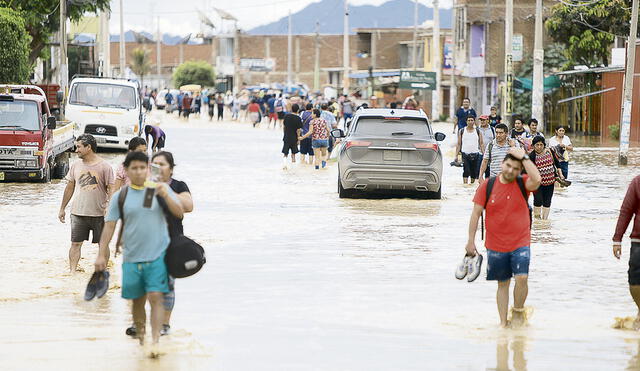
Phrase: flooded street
(298, 279)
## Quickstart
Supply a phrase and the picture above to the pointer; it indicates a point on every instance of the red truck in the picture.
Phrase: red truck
(33, 145)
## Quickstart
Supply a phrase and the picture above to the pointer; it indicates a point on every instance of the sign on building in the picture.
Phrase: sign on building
(517, 47)
(447, 54)
(417, 80)
(257, 64)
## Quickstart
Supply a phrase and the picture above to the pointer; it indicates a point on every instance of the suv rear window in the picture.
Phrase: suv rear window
(385, 128)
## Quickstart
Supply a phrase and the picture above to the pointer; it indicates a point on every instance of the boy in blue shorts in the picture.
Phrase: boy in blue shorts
(146, 238)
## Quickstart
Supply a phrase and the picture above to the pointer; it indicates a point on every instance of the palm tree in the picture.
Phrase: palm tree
(140, 63)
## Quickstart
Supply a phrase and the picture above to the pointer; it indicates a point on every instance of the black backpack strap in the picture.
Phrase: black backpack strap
(491, 182)
(520, 181)
(122, 196)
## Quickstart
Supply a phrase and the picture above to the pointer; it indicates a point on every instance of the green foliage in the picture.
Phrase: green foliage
(140, 62)
(14, 43)
(587, 32)
(443, 117)
(554, 60)
(42, 18)
(614, 131)
(194, 72)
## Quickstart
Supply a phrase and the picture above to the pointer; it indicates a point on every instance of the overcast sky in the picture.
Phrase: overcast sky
(181, 17)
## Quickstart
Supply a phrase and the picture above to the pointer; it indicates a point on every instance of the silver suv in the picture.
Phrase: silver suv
(389, 150)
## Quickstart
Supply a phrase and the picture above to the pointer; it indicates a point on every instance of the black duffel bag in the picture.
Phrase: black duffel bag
(184, 257)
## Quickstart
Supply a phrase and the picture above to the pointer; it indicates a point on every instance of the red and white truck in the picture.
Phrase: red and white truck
(33, 145)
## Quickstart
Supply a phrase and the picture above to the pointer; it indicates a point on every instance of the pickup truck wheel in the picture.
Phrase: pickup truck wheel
(62, 166)
(46, 175)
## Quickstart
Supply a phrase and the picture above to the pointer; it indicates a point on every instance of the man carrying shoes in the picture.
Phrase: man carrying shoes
(146, 238)
(508, 229)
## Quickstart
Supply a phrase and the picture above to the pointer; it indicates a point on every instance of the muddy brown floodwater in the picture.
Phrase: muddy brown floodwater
(298, 279)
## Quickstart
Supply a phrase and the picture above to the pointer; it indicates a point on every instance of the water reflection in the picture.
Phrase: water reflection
(510, 346)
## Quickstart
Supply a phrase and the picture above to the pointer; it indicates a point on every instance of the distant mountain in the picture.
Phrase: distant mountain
(167, 39)
(392, 14)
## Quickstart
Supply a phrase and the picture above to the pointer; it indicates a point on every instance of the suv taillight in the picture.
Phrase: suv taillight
(358, 143)
(432, 146)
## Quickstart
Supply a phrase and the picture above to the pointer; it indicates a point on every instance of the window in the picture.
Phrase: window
(103, 95)
(379, 127)
(19, 114)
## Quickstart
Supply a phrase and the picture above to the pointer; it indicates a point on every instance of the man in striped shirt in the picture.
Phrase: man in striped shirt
(495, 151)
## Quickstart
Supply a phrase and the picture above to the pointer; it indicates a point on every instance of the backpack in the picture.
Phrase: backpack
(523, 190)
(184, 257)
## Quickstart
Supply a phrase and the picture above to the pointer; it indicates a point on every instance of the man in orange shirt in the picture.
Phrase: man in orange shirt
(508, 229)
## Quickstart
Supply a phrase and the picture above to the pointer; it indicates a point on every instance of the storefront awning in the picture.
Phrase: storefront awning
(550, 83)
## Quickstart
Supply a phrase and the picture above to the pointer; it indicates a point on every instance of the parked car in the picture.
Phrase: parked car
(389, 150)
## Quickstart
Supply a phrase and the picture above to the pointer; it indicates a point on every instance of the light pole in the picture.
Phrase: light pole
(625, 123)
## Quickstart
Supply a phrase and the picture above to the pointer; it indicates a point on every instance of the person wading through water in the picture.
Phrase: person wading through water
(504, 198)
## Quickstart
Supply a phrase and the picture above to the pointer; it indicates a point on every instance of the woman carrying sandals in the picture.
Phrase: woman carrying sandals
(548, 165)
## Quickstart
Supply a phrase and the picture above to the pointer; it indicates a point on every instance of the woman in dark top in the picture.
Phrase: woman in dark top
(164, 160)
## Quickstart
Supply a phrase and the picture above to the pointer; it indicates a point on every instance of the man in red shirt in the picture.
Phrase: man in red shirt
(631, 208)
(508, 230)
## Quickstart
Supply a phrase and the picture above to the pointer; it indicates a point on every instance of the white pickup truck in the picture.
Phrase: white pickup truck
(109, 109)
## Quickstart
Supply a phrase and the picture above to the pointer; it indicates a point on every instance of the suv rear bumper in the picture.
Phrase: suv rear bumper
(401, 179)
(21, 174)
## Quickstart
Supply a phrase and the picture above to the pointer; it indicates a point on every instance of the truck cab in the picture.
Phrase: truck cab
(109, 109)
(33, 145)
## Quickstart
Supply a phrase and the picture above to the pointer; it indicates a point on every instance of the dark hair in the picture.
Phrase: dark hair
(494, 107)
(324, 106)
(88, 140)
(561, 127)
(503, 127)
(463, 99)
(533, 121)
(471, 117)
(136, 142)
(295, 107)
(509, 156)
(309, 106)
(148, 129)
(316, 112)
(393, 105)
(167, 156)
(135, 156)
(537, 139)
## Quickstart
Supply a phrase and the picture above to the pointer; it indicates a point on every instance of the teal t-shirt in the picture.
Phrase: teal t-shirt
(145, 235)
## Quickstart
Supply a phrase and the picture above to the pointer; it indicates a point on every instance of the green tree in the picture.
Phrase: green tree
(42, 18)
(14, 43)
(588, 30)
(140, 63)
(194, 72)
(554, 60)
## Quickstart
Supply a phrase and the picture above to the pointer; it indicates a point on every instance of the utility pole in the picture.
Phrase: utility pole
(625, 126)
(345, 50)
(158, 51)
(537, 94)
(289, 54)
(436, 60)
(316, 64)
(508, 63)
(104, 50)
(122, 53)
(453, 89)
(64, 67)
(414, 64)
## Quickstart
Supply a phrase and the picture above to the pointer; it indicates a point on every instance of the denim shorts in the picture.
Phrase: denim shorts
(320, 143)
(501, 266)
(141, 278)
